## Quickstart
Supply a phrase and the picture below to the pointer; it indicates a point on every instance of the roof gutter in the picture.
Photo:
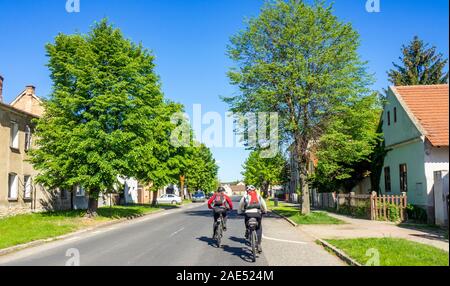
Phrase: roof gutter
(406, 142)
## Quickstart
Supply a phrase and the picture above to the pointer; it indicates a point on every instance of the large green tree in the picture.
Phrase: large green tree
(264, 172)
(420, 65)
(203, 170)
(302, 62)
(106, 115)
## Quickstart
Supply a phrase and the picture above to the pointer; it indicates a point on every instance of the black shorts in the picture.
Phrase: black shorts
(254, 215)
(220, 210)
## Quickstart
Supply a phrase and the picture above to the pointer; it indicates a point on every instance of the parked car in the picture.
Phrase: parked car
(169, 199)
(198, 197)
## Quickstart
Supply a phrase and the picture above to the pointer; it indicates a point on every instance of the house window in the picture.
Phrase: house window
(14, 135)
(27, 187)
(80, 192)
(13, 186)
(389, 118)
(27, 138)
(395, 114)
(387, 179)
(403, 178)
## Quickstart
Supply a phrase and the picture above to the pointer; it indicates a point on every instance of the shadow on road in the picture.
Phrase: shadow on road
(210, 241)
(208, 213)
(239, 240)
(241, 252)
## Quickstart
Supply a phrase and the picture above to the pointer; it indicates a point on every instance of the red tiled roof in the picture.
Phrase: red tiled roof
(429, 107)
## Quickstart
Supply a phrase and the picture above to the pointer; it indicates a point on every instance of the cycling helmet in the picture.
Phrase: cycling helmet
(251, 188)
(221, 190)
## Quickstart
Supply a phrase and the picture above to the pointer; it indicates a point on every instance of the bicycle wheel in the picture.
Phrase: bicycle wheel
(253, 242)
(219, 234)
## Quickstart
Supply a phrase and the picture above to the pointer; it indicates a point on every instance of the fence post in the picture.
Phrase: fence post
(352, 199)
(373, 215)
(404, 205)
(333, 195)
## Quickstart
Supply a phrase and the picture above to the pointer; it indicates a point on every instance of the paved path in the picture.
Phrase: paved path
(178, 238)
(358, 228)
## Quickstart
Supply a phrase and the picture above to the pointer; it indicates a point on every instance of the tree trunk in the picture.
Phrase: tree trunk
(92, 206)
(301, 157)
(265, 190)
(306, 206)
(155, 197)
(183, 195)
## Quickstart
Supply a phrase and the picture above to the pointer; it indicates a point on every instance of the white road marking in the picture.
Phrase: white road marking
(283, 240)
(176, 232)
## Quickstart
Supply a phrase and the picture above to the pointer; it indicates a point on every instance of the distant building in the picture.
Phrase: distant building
(416, 133)
(235, 189)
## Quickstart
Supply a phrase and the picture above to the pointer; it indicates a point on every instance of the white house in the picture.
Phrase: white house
(130, 191)
(415, 125)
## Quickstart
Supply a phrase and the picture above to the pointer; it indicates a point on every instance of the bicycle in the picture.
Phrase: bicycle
(252, 225)
(218, 230)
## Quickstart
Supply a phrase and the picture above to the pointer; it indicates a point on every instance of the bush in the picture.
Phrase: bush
(393, 212)
(361, 211)
(416, 213)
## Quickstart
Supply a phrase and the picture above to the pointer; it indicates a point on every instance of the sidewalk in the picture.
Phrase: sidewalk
(361, 228)
(285, 245)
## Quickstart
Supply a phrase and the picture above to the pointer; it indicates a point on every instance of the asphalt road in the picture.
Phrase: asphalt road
(179, 237)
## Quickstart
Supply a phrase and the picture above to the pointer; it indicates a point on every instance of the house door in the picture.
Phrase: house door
(441, 197)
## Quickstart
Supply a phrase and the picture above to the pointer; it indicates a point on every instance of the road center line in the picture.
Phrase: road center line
(283, 240)
(176, 232)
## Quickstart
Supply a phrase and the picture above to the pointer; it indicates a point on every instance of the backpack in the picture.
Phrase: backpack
(254, 202)
(219, 200)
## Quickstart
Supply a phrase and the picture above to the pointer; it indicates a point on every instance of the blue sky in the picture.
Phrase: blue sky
(189, 38)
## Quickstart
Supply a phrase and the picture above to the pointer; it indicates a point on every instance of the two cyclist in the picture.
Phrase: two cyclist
(252, 205)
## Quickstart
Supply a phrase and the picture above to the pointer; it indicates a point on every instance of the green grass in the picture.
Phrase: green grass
(293, 213)
(186, 202)
(393, 252)
(29, 227)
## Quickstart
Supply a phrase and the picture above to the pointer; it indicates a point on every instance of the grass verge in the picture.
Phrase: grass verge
(392, 252)
(25, 228)
(293, 213)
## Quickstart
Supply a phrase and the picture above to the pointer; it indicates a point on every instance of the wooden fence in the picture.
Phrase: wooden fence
(370, 206)
(383, 206)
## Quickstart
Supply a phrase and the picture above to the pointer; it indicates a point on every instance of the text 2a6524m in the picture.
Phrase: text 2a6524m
(246, 275)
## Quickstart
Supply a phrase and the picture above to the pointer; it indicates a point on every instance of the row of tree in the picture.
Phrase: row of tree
(107, 117)
(299, 60)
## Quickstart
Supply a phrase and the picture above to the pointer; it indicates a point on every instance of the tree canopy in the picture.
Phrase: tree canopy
(300, 61)
(106, 115)
(345, 149)
(264, 172)
(419, 65)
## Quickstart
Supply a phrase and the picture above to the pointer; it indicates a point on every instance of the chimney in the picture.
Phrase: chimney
(30, 90)
(1, 88)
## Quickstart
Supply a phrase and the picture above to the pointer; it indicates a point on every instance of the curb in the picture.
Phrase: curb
(39, 242)
(285, 218)
(339, 253)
